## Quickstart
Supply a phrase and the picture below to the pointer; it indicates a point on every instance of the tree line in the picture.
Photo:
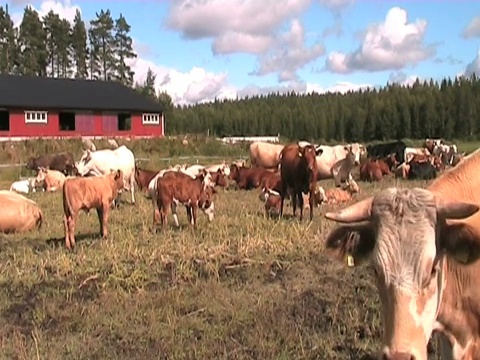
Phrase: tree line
(51, 46)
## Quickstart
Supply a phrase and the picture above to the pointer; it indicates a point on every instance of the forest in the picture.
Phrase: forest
(51, 46)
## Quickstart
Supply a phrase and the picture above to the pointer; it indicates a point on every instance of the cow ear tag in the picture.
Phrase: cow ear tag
(350, 260)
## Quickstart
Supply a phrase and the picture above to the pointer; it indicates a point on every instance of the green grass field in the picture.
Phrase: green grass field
(241, 287)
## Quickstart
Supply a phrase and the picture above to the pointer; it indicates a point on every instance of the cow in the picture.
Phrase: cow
(18, 214)
(88, 144)
(433, 145)
(85, 193)
(298, 171)
(410, 153)
(265, 154)
(25, 186)
(62, 162)
(371, 170)
(101, 162)
(224, 167)
(330, 155)
(383, 150)
(342, 169)
(249, 178)
(424, 248)
(336, 195)
(143, 177)
(175, 188)
(219, 178)
(52, 180)
(422, 171)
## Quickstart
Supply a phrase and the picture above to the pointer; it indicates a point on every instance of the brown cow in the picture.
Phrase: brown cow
(371, 170)
(52, 179)
(337, 196)
(143, 177)
(248, 178)
(219, 178)
(177, 188)
(85, 193)
(18, 213)
(298, 170)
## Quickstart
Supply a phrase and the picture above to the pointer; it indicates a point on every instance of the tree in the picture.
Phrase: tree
(51, 24)
(32, 41)
(123, 51)
(64, 50)
(102, 46)
(8, 45)
(148, 87)
(79, 46)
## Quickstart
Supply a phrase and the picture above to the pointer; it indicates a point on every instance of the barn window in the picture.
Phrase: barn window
(66, 121)
(36, 117)
(124, 122)
(4, 120)
(151, 119)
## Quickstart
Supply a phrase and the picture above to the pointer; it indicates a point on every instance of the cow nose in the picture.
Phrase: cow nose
(398, 356)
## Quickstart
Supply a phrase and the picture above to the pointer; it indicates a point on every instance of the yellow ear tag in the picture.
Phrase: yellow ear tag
(350, 261)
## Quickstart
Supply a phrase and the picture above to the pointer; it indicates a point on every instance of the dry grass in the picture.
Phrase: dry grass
(241, 287)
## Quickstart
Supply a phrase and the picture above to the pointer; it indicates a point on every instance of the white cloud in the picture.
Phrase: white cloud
(393, 44)
(289, 54)
(472, 29)
(65, 9)
(474, 66)
(400, 78)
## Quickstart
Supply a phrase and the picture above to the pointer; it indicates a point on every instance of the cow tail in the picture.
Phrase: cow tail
(67, 208)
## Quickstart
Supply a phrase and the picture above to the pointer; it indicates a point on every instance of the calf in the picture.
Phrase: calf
(298, 171)
(249, 178)
(52, 179)
(25, 186)
(336, 195)
(422, 171)
(342, 169)
(219, 178)
(175, 188)
(143, 177)
(85, 193)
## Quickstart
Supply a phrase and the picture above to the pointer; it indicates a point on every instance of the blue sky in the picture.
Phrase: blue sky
(207, 49)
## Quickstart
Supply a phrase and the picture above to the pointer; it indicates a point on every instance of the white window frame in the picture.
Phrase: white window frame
(150, 119)
(36, 117)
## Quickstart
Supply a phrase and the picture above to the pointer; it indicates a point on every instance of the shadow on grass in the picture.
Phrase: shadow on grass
(60, 242)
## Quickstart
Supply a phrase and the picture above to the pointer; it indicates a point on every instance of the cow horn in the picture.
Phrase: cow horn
(455, 209)
(360, 211)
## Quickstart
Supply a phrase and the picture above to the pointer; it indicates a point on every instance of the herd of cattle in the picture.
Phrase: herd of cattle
(281, 172)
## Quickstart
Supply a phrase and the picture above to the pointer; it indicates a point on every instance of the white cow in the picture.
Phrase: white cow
(101, 162)
(223, 167)
(24, 186)
(410, 152)
(332, 154)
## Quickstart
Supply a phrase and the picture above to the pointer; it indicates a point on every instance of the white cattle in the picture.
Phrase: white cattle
(223, 167)
(332, 154)
(101, 162)
(193, 170)
(410, 152)
(24, 186)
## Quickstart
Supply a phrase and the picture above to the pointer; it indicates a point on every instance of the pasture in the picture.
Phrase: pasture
(240, 287)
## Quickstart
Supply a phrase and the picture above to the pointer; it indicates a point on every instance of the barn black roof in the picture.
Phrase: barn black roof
(38, 93)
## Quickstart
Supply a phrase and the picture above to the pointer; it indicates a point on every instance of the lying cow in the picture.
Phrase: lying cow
(85, 193)
(52, 179)
(25, 186)
(62, 162)
(337, 196)
(18, 213)
(175, 188)
(101, 162)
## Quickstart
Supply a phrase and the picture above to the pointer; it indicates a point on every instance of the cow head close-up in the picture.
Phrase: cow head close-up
(404, 234)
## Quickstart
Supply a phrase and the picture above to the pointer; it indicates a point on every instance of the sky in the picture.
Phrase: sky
(202, 50)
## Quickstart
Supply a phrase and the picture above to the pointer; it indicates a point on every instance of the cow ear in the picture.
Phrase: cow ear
(460, 242)
(356, 240)
(318, 151)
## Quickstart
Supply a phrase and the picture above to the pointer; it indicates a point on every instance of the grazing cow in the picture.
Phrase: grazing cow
(52, 179)
(62, 162)
(85, 193)
(25, 186)
(298, 171)
(342, 169)
(249, 178)
(383, 150)
(143, 177)
(101, 162)
(332, 154)
(424, 247)
(422, 171)
(265, 154)
(336, 195)
(18, 213)
(371, 170)
(175, 188)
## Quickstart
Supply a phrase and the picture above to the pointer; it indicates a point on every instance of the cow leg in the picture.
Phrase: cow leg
(300, 200)
(189, 213)
(175, 214)
(104, 231)
(67, 231)
(193, 210)
(294, 203)
(163, 214)
(71, 231)
(132, 187)
(156, 218)
(100, 219)
(311, 200)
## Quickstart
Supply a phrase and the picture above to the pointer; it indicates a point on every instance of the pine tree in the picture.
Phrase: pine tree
(148, 87)
(32, 40)
(123, 51)
(102, 46)
(64, 50)
(79, 47)
(51, 24)
(8, 44)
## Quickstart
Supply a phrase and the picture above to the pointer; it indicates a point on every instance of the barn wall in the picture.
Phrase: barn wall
(87, 124)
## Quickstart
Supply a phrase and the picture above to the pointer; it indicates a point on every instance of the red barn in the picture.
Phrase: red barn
(41, 107)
